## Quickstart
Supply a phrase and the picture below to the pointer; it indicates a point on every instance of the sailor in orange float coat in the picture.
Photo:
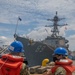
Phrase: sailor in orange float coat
(63, 65)
(12, 64)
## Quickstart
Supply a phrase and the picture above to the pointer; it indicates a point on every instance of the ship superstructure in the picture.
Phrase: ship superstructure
(55, 40)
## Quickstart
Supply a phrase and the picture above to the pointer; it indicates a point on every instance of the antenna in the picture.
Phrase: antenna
(55, 30)
(18, 19)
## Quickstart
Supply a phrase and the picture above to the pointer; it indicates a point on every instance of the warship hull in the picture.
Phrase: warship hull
(36, 52)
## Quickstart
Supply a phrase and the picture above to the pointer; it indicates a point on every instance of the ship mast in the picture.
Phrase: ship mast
(55, 30)
(18, 19)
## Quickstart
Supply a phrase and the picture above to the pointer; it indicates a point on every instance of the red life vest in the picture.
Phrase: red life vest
(10, 65)
(66, 64)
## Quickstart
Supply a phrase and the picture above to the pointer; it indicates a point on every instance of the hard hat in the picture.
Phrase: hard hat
(16, 46)
(60, 51)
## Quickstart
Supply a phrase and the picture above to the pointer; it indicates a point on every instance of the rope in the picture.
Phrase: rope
(3, 64)
(3, 50)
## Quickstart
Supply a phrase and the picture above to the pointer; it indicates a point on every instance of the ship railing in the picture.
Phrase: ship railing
(3, 50)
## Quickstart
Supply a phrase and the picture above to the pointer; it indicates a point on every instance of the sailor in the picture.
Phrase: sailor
(63, 65)
(12, 63)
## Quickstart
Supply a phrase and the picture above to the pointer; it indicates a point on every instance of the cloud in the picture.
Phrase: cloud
(72, 43)
(33, 9)
(39, 33)
(72, 37)
(5, 40)
(35, 13)
(71, 27)
(2, 37)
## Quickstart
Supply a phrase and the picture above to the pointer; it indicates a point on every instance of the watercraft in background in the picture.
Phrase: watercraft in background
(36, 51)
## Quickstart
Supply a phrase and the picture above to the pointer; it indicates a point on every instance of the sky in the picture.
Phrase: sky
(34, 15)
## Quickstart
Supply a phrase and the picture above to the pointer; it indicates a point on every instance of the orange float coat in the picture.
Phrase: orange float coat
(66, 64)
(10, 65)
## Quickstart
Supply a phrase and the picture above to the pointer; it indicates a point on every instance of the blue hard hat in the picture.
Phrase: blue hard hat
(61, 51)
(16, 46)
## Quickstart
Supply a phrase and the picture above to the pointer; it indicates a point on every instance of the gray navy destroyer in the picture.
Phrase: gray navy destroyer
(36, 51)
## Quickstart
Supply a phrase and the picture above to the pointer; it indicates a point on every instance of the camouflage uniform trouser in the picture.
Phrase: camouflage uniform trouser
(24, 70)
(60, 71)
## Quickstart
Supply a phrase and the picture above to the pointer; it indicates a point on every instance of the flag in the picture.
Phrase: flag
(19, 19)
